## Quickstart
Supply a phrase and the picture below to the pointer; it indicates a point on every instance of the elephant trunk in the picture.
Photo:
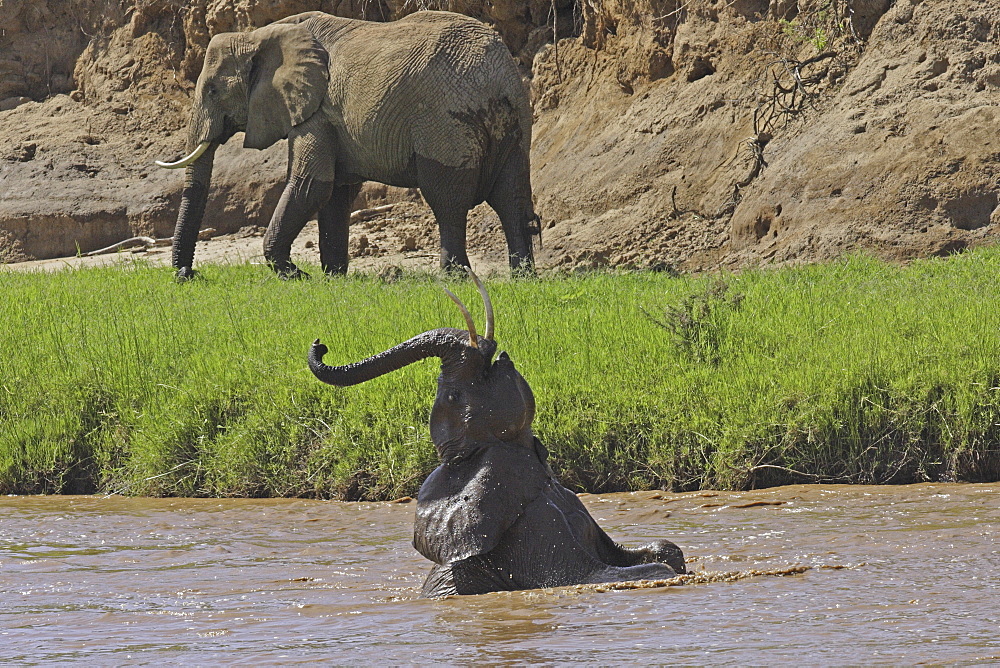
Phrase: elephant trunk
(446, 343)
(197, 178)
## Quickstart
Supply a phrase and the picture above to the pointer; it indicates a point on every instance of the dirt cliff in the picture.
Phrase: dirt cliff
(670, 134)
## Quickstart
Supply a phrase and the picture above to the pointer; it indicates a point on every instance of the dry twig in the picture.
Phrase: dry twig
(787, 98)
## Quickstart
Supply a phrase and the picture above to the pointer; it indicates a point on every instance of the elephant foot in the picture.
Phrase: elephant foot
(185, 274)
(288, 271)
(657, 552)
(335, 271)
(665, 552)
(456, 270)
(523, 270)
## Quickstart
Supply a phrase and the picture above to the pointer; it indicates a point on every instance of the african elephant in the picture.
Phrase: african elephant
(492, 516)
(433, 101)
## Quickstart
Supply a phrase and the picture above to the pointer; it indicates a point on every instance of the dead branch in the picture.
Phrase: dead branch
(368, 214)
(755, 145)
(555, 40)
(145, 242)
(790, 92)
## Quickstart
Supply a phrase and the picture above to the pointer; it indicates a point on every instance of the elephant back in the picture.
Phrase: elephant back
(436, 84)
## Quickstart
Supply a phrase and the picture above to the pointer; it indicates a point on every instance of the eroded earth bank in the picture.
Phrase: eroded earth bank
(673, 135)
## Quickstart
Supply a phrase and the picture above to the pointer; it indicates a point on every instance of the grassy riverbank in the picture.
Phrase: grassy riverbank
(119, 380)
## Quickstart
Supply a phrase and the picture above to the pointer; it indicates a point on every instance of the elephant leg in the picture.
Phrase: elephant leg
(439, 583)
(334, 223)
(511, 199)
(472, 575)
(657, 553)
(452, 228)
(197, 179)
(449, 193)
(301, 199)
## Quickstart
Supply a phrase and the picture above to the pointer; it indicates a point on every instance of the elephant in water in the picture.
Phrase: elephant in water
(492, 516)
(433, 101)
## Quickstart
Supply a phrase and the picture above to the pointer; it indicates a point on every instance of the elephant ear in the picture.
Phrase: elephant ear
(286, 84)
(465, 507)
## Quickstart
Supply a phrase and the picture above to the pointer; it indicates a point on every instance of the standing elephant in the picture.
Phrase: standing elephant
(433, 101)
(492, 516)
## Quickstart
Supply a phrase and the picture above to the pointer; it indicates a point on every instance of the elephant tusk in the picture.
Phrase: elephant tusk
(186, 160)
(468, 318)
(486, 303)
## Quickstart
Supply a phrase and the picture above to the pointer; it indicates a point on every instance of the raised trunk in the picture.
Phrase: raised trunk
(197, 179)
(446, 343)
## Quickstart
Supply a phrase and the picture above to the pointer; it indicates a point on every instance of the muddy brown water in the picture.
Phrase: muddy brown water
(804, 574)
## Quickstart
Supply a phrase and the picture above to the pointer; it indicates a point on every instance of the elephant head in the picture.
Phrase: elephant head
(479, 401)
(263, 83)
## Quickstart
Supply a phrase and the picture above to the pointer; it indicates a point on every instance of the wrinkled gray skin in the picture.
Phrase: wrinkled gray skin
(492, 516)
(433, 101)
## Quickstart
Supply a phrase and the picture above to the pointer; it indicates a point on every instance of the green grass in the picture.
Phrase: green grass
(122, 381)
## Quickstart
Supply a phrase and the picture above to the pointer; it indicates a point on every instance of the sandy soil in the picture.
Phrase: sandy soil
(688, 136)
(403, 237)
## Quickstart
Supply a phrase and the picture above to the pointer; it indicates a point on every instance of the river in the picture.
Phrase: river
(811, 575)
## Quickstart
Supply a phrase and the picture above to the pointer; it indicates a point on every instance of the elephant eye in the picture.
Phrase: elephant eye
(453, 396)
